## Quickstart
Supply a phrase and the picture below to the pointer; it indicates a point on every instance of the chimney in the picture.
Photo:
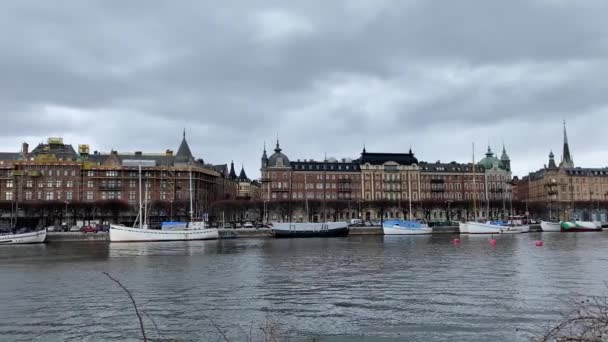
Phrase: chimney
(138, 153)
(114, 152)
(25, 149)
(169, 153)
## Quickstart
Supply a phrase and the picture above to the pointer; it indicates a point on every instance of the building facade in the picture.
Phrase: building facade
(56, 178)
(567, 192)
(389, 185)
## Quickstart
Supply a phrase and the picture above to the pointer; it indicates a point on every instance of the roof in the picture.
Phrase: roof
(490, 161)
(325, 166)
(278, 159)
(381, 158)
(184, 155)
(587, 172)
(6, 156)
(448, 167)
(243, 175)
(60, 151)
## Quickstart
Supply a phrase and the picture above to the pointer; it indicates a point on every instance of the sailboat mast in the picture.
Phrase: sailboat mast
(140, 199)
(474, 190)
(409, 196)
(191, 205)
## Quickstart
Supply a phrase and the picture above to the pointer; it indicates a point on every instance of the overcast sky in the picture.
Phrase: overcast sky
(327, 76)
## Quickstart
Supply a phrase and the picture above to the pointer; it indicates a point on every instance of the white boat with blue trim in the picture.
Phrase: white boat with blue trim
(405, 227)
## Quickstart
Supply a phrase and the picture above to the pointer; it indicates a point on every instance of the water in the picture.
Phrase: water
(368, 288)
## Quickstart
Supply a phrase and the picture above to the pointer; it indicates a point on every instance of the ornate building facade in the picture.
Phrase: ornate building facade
(564, 191)
(394, 185)
(55, 175)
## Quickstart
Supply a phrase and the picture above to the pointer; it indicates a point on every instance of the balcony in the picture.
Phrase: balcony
(112, 187)
(437, 181)
(438, 190)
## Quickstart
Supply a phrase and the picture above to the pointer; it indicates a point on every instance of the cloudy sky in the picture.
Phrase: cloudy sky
(327, 76)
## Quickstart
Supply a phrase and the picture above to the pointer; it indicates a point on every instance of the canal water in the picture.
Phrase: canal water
(360, 288)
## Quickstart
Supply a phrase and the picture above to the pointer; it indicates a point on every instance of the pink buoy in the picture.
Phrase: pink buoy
(493, 242)
(539, 243)
(456, 241)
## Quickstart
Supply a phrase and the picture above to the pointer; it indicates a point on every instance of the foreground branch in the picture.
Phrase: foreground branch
(141, 323)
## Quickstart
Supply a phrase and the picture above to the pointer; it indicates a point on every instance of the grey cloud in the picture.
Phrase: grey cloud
(327, 76)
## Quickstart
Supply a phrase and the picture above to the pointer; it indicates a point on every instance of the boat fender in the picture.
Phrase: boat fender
(456, 241)
(539, 243)
(493, 242)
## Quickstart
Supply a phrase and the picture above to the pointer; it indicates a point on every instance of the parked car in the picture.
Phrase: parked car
(248, 225)
(50, 228)
(74, 228)
(89, 229)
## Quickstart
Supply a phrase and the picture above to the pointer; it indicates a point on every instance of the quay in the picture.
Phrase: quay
(238, 233)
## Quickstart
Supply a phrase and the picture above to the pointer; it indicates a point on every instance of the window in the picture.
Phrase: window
(90, 184)
(58, 184)
(40, 184)
(91, 173)
(132, 184)
(9, 184)
(68, 195)
(65, 173)
(58, 195)
(73, 173)
(49, 196)
(132, 196)
(89, 195)
(8, 196)
(69, 184)
(28, 195)
(49, 184)
(29, 183)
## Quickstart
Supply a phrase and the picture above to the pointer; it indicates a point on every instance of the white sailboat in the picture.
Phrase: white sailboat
(195, 230)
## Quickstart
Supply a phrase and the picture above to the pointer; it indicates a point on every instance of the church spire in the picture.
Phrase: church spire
(567, 161)
(232, 174)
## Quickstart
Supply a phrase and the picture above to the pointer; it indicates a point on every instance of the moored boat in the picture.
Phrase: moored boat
(493, 228)
(405, 227)
(548, 226)
(580, 226)
(195, 229)
(309, 229)
(38, 236)
(463, 228)
(127, 234)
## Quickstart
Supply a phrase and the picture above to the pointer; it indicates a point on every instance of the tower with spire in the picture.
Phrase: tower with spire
(567, 161)
(552, 165)
(505, 161)
(264, 157)
(232, 174)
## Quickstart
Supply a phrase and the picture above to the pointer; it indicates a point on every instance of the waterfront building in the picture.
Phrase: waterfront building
(389, 185)
(564, 191)
(53, 177)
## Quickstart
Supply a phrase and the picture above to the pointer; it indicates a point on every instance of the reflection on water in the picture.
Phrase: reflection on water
(361, 288)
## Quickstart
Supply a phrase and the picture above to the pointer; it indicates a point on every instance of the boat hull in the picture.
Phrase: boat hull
(406, 230)
(127, 234)
(24, 238)
(463, 228)
(547, 226)
(580, 226)
(306, 230)
(485, 228)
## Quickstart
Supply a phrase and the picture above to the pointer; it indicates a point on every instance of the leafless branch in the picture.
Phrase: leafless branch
(141, 323)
